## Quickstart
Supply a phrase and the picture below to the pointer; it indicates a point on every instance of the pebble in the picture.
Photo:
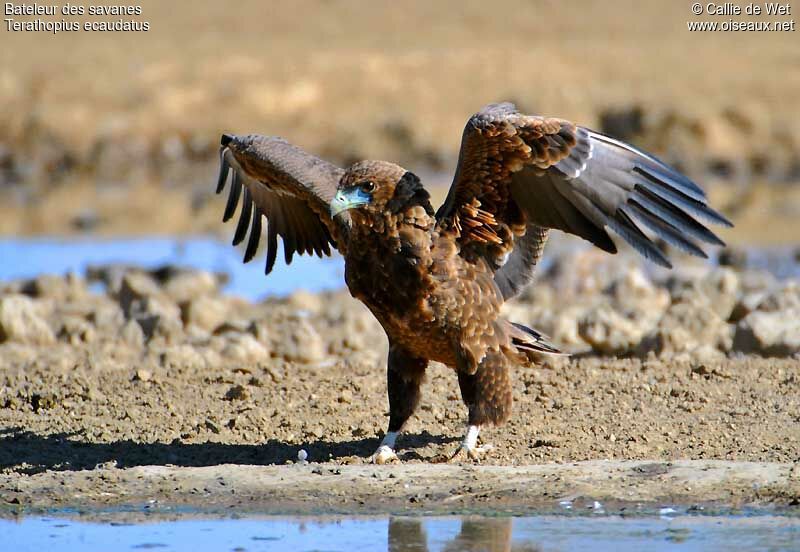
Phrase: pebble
(143, 375)
(237, 393)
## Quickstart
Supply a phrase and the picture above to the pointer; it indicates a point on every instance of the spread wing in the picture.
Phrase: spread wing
(290, 188)
(519, 175)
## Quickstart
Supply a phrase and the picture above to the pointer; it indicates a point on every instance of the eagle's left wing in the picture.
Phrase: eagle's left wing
(519, 175)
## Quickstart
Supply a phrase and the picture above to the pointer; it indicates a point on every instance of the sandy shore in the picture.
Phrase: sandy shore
(600, 486)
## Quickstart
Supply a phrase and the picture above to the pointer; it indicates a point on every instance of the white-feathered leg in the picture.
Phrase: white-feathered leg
(385, 452)
(469, 445)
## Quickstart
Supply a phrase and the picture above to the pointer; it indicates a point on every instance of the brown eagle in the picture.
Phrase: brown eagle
(436, 281)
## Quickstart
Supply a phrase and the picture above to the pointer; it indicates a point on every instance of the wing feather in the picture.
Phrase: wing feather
(224, 169)
(255, 236)
(290, 188)
(244, 218)
(233, 197)
(563, 176)
(272, 240)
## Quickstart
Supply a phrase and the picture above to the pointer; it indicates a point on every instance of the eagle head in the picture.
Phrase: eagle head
(377, 187)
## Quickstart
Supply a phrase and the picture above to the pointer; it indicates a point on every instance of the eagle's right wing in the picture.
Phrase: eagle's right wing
(290, 188)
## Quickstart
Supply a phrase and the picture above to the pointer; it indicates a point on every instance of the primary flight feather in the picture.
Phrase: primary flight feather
(436, 281)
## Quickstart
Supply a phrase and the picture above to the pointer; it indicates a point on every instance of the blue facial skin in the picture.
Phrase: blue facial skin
(348, 199)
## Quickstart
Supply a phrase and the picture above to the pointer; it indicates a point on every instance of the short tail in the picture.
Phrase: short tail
(528, 341)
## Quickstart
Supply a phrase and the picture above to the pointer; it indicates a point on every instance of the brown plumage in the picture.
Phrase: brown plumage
(436, 282)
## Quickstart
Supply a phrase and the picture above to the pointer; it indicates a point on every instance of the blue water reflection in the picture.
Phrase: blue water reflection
(410, 534)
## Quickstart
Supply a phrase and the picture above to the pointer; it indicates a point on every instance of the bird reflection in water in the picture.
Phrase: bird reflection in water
(476, 535)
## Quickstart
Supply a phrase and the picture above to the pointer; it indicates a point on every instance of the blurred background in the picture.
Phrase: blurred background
(115, 134)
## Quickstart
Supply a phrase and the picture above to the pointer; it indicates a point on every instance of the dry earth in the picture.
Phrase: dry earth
(163, 370)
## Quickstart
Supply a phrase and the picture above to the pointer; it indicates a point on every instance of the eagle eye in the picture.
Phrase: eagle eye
(367, 186)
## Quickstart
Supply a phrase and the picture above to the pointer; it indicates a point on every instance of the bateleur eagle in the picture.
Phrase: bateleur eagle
(436, 281)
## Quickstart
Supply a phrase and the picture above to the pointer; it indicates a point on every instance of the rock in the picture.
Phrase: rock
(132, 334)
(241, 326)
(22, 320)
(633, 291)
(189, 285)
(769, 323)
(760, 294)
(562, 326)
(585, 272)
(141, 299)
(706, 353)
(770, 333)
(305, 301)
(209, 356)
(294, 338)
(686, 327)
(60, 289)
(721, 287)
(168, 328)
(244, 348)
(611, 322)
(160, 306)
(111, 275)
(786, 298)
(76, 330)
(351, 329)
(717, 290)
(609, 332)
(208, 313)
(133, 288)
(196, 335)
(745, 305)
(183, 356)
(752, 281)
(107, 318)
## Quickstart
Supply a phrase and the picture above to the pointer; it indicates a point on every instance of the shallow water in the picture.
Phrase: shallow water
(432, 534)
(27, 258)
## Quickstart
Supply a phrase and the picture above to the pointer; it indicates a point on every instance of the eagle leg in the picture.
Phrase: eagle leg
(470, 447)
(487, 394)
(405, 373)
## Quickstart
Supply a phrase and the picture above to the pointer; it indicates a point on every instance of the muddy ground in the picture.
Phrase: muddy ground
(163, 370)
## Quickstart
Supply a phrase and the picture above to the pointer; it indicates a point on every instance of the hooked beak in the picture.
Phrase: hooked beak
(348, 199)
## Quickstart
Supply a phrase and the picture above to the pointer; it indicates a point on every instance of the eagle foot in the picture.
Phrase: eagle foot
(384, 455)
(475, 453)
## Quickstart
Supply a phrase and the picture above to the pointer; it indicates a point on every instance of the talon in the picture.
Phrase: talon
(474, 453)
(383, 455)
